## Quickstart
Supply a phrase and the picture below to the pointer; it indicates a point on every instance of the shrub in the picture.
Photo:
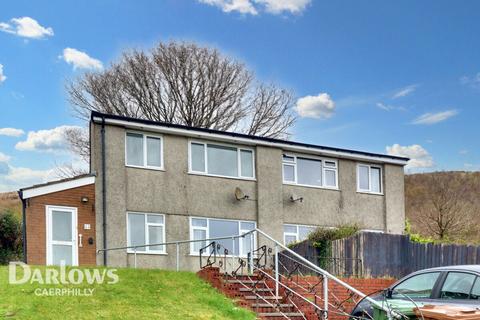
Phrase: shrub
(10, 237)
(322, 239)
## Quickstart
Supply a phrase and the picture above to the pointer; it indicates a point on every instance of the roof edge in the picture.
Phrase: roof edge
(96, 116)
(56, 186)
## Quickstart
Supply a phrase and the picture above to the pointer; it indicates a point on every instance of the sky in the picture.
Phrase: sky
(401, 78)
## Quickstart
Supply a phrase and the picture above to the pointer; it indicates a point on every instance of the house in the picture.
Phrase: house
(153, 182)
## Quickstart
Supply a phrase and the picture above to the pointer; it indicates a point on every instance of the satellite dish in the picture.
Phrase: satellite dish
(239, 194)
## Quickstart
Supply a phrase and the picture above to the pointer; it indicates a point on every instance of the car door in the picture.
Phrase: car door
(459, 287)
(419, 287)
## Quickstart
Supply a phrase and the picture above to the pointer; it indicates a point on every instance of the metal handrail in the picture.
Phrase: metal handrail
(176, 243)
(327, 276)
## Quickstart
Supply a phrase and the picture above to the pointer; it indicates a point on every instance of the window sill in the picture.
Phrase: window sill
(146, 168)
(219, 176)
(309, 186)
(370, 193)
(149, 253)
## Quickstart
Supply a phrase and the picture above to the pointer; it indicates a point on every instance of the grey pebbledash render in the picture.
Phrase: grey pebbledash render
(164, 182)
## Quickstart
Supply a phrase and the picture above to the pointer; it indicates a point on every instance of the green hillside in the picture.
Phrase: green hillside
(139, 294)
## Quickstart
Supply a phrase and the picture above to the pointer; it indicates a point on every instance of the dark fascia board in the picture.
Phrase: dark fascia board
(96, 114)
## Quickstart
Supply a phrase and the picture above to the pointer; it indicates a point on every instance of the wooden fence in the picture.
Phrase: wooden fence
(369, 254)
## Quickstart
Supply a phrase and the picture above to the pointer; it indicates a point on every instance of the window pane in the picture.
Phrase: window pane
(419, 286)
(289, 229)
(309, 172)
(199, 222)
(224, 228)
(247, 226)
(136, 226)
(288, 173)
(375, 175)
(330, 178)
(288, 159)
(62, 226)
(476, 290)
(155, 235)
(198, 157)
(290, 239)
(303, 232)
(222, 161)
(155, 218)
(154, 152)
(457, 286)
(330, 164)
(62, 253)
(246, 244)
(134, 149)
(198, 235)
(363, 178)
(246, 159)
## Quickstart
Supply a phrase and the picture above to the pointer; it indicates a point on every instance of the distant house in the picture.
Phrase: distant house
(152, 182)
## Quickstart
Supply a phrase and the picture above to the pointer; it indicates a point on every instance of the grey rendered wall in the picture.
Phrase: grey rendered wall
(179, 195)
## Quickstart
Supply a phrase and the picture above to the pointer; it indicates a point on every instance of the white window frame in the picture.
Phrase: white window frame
(239, 162)
(297, 233)
(369, 166)
(207, 233)
(310, 157)
(147, 224)
(145, 163)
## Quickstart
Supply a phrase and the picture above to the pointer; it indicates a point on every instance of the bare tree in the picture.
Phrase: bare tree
(186, 84)
(440, 203)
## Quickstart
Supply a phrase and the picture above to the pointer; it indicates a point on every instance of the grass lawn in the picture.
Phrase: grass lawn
(139, 294)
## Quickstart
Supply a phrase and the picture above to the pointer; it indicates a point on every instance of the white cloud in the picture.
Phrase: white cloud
(472, 81)
(405, 91)
(242, 6)
(52, 140)
(11, 132)
(26, 27)
(389, 107)
(4, 157)
(80, 60)
(419, 157)
(279, 6)
(318, 107)
(253, 7)
(432, 118)
(3, 77)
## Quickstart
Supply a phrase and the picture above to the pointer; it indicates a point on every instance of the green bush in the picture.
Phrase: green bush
(416, 237)
(10, 237)
(322, 239)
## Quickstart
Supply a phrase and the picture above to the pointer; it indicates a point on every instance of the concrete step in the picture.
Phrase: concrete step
(263, 297)
(243, 281)
(256, 289)
(266, 305)
(280, 314)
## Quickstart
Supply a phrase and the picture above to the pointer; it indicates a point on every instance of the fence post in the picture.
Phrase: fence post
(178, 257)
(276, 270)
(135, 257)
(325, 297)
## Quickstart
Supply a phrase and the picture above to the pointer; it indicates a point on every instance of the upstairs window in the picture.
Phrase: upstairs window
(316, 172)
(369, 178)
(221, 160)
(143, 150)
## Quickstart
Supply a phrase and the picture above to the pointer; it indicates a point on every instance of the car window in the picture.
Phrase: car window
(457, 285)
(419, 286)
(476, 290)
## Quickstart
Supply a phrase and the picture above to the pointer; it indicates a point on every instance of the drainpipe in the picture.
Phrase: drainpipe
(104, 194)
(24, 225)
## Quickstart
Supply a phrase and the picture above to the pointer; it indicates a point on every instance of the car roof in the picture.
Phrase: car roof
(468, 267)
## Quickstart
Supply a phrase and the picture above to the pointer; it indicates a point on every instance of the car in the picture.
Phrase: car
(452, 285)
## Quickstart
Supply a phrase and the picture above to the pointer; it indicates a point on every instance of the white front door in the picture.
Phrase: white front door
(62, 236)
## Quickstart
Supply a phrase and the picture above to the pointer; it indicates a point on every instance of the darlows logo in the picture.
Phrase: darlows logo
(21, 273)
